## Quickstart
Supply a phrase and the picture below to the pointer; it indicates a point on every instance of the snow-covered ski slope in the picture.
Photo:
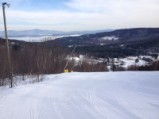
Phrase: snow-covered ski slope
(119, 95)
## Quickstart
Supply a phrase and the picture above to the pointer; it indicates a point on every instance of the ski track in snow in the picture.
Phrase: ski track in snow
(119, 95)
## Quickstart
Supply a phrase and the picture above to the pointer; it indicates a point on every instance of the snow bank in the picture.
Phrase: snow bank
(119, 95)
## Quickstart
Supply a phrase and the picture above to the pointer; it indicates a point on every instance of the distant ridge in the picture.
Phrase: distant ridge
(38, 32)
(117, 43)
(104, 38)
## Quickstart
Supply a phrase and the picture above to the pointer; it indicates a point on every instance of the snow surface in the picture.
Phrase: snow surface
(112, 95)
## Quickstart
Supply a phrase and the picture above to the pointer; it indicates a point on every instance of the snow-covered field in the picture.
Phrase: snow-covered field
(122, 62)
(109, 38)
(130, 61)
(112, 95)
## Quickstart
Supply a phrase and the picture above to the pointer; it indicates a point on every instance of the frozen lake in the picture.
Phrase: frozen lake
(40, 38)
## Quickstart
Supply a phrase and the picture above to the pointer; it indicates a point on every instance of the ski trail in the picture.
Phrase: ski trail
(135, 105)
(84, 96)
(106, 103)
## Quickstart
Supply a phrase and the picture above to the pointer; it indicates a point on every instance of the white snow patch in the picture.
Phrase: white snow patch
(109, 38)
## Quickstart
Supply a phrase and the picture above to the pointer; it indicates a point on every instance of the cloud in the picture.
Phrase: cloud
(61, 20)
(88, 15)
(111, 5)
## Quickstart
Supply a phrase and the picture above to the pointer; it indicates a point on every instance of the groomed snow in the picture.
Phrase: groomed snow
(119, 95)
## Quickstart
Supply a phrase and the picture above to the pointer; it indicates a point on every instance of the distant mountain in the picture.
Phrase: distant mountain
(116, 36)
(118, 43)
(34, 32)
(38, 32)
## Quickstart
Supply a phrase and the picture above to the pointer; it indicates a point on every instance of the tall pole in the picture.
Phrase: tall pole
(7, 44)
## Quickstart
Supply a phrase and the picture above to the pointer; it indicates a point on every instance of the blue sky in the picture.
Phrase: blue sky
(77, 15)
(38, 5)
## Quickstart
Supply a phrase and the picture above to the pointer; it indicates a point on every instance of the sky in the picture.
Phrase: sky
(80, 15)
